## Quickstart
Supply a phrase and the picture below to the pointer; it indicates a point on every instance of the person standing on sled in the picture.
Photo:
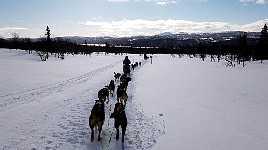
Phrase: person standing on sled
(126, 65)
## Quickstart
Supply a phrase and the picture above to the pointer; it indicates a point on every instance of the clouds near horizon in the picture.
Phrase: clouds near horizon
(10, 30)
(159, 2)
(164, 2)
(150, 27)
(137, 27)
(254, 1)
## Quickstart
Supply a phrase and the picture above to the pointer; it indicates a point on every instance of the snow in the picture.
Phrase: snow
(206, 105)
(174, 103)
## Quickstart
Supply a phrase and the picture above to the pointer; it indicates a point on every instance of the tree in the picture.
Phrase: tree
(264, 34)
(244, 40)
(48, 34)
(243, 54)
(261, 52)
(27, 44)
(107, 44)
(15, 40)
(46, 46)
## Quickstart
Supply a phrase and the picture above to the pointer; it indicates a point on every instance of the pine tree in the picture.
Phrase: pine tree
(261, 52)
(263, 43)
(244, 40)
(47, 46)
(15, 40)
(243, 54)
(264, 34)
(48, 34)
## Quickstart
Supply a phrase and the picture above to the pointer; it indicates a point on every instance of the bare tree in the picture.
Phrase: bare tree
(15, 40)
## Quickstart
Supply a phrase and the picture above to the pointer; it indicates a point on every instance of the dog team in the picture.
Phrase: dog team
(97, 116)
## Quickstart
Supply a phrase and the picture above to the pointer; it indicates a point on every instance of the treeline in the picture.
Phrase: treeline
(240, 49)
(44, 46)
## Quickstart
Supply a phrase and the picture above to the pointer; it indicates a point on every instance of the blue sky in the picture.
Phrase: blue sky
(29, 18)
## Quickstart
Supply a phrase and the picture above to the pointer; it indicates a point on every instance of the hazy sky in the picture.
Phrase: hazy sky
(29, 18)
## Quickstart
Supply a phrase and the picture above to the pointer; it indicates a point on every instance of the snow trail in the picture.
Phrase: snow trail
(55, 116)
(142, 131)
(12, 100)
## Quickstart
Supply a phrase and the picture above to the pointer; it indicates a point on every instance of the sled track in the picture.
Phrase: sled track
(143, 130)
(24, 97)
(68, 129)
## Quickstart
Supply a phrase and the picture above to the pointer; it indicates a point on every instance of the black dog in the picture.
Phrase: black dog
(116, 76)
(96, 118)
(103, 95)
(124, 83)
(124, 78)
(111, 87)
(120, 118)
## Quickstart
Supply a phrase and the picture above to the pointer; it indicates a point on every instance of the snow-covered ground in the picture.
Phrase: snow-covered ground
(174, 103)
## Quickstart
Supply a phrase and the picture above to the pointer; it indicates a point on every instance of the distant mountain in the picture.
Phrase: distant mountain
(167, 39)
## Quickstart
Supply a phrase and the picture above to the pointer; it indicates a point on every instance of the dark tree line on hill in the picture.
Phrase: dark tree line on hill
(240, 50)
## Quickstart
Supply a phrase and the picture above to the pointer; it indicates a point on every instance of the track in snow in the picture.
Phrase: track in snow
(56, 116)
(142, 131)
(19, 98)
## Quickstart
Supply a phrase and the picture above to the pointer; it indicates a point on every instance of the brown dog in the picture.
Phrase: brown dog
(96, 118)
(121, 95)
